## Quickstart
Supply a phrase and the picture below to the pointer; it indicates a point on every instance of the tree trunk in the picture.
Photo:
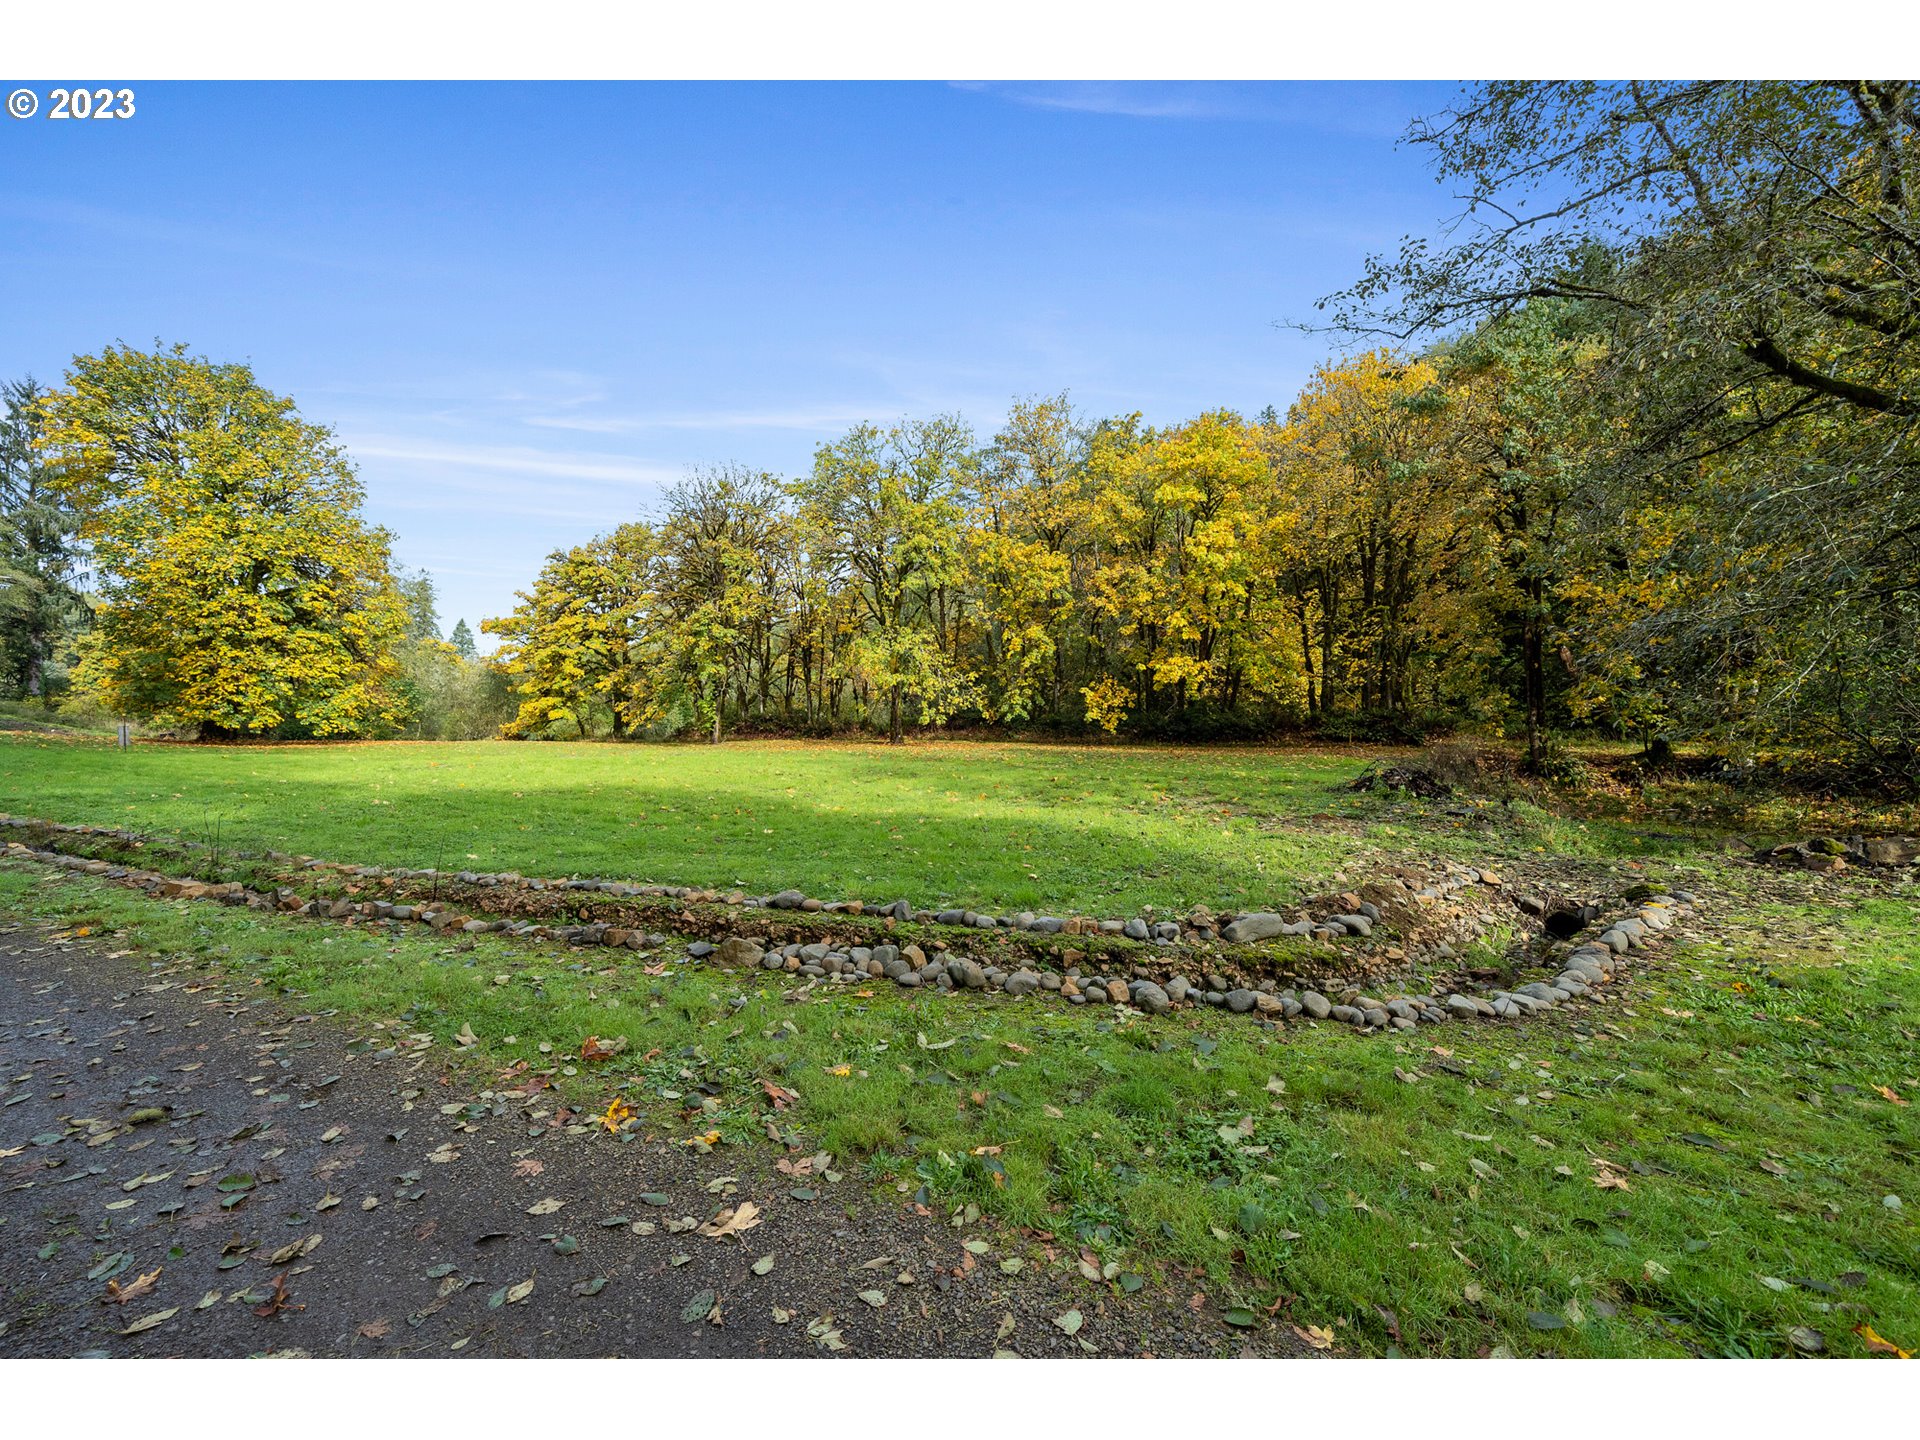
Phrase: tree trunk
(1534, 665)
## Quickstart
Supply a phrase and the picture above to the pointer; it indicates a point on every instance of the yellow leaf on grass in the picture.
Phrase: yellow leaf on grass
(1876, 1345)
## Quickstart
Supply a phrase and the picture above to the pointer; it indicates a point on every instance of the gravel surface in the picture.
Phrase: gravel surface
(140, 1096)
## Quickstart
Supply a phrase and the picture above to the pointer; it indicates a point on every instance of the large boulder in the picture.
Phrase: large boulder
(1150, 997)
(1263, 926)
(734, 951)
(1891, 850)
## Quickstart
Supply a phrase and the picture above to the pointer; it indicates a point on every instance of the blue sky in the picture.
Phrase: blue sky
(527, 309)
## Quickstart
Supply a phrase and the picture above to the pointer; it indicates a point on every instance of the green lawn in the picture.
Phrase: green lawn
(1433, 1193)
(1010, 826)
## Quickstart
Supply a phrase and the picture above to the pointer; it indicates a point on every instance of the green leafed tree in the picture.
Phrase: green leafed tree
(1749, 253)
(888, 506)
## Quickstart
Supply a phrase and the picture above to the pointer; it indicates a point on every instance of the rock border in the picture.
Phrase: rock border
(1201, 925)
(1587, 967)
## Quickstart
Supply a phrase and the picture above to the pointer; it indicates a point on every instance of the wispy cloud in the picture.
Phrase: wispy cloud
(514, 459)
(1375, 110)
(815, 421)
(1150, 100)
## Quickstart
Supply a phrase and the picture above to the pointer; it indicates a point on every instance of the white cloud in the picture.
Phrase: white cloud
(810, 420)
(514, 459)
(1144, 100)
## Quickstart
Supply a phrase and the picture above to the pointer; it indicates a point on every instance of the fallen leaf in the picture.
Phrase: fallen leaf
(1879, 1346)
(118, 1294)
(278, 1299)
(147, 1322)
(743, 1216)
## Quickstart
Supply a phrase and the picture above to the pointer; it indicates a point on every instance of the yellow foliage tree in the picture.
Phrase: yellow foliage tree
(240, 591)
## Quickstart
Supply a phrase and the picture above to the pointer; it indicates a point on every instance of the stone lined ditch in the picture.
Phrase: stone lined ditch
(1264, 964)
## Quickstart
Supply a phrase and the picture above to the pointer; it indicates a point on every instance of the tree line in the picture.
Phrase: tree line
(1632, 450)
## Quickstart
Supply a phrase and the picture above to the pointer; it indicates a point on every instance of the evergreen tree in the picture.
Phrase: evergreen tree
(41, 606)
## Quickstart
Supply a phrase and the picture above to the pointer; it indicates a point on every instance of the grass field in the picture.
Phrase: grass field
(1011, 826)
(1701, 1171)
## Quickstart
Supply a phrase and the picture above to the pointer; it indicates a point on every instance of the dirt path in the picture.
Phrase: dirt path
(414, 1199)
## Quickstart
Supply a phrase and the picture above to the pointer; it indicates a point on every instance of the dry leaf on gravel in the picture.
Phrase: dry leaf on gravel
(147, 1322)
(118, 1294)
(743, 1216)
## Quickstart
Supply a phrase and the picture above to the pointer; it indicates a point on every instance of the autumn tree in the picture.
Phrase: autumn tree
(240, 591)
(1388, 565)
(1026, 552)
(581, 648)
(1183, 519)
